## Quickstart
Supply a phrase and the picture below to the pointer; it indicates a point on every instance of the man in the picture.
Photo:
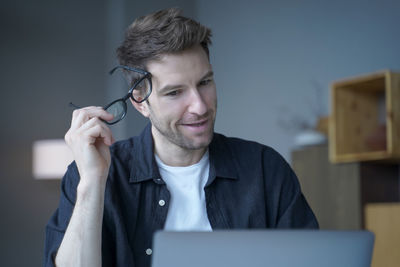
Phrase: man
(178, 174)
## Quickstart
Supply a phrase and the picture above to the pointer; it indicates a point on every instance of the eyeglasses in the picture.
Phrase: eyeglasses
(140, 90)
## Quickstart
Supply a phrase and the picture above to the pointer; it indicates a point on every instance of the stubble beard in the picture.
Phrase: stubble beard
(177, 137)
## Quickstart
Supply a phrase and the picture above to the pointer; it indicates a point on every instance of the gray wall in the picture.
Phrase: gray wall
(274, 60)
(52, 52)
(268, 56)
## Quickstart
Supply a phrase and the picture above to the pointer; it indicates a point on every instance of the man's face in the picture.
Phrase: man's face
(183, 104)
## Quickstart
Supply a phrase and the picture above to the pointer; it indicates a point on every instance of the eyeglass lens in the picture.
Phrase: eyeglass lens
(118, 110)
(141, 90)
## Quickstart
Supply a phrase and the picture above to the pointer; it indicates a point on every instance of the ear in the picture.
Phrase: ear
(143, 107)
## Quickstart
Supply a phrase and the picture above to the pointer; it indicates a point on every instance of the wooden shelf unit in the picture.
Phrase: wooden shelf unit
(365, 118)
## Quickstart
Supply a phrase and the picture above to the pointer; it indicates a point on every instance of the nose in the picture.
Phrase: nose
(197, 105)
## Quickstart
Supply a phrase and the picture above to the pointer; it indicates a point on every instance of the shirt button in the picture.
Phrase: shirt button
(161, 202)
(149, 251)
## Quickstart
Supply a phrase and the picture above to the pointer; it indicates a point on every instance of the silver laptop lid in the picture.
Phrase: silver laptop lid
(260, 248)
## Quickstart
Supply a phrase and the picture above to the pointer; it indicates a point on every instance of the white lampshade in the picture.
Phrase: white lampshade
(50, 159)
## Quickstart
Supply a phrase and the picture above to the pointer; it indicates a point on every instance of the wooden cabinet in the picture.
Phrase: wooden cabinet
(384, 220)
(338, 193)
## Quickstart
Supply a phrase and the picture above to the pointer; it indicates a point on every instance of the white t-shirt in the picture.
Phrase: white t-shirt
(187, 209)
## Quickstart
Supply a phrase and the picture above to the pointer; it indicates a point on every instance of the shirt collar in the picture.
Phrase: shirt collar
(222, 159)
(144, 166)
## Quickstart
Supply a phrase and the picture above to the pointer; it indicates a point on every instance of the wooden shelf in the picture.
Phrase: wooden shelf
(365, 118)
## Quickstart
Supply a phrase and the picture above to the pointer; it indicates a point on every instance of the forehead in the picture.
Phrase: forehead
(184, 67)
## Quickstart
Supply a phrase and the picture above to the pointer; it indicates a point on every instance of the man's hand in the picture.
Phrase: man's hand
(89, 139)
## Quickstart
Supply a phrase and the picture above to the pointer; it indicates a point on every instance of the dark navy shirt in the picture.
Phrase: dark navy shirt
(249, 186)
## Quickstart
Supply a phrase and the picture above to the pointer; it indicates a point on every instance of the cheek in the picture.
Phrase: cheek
(210, 97)
(170, 113)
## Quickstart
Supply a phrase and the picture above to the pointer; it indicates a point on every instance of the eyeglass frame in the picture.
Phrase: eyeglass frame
(146, 75)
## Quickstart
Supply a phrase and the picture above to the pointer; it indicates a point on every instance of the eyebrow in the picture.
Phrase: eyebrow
(209, 74)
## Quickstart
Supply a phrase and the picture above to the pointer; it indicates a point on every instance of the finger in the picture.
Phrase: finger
(97, 133)
(95, 128)
(77, 136)
(80, 116)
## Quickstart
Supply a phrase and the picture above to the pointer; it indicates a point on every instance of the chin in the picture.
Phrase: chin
(199, 144)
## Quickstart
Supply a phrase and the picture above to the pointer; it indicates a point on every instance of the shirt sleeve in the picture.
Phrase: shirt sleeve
(58, 223)
(290, 207)
(296, 213)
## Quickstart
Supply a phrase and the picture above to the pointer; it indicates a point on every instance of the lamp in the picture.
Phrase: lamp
(50, 159)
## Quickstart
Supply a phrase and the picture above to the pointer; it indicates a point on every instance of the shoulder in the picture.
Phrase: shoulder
(251, 158)
(121, 149)
(123, 158)
(136, 148)
(246, 148)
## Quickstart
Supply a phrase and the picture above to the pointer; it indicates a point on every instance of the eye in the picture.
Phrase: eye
(172, 93)
(205, 82)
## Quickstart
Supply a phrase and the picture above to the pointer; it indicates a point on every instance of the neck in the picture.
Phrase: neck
(180, 158)
(173, 155)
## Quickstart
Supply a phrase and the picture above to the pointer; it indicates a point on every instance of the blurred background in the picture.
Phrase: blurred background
(273, 61)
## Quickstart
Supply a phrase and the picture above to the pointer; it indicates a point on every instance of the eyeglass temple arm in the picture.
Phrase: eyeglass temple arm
(129, 68)
(72, 105)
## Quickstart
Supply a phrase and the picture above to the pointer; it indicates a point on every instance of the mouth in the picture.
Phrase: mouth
(196, 126)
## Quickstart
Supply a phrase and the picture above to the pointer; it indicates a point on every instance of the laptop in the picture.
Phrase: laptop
(262, 248)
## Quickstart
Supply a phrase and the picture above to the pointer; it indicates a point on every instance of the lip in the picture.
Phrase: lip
(197, 126)
(195, 123)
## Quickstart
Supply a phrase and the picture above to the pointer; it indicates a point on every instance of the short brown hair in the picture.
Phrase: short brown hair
(165, 31)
